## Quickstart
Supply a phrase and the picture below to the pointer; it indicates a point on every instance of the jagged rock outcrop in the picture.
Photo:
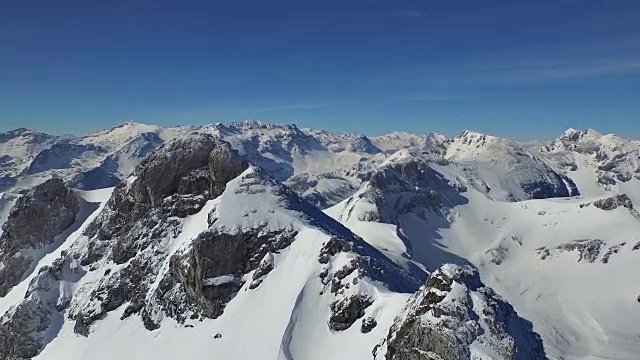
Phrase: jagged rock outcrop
(454, 316)
(614, 202)
(588, 249)
(173, 183)
(224, 165)
(211, 271)
(24, 328)
(178, 167)
(34, 221)
(325, 189)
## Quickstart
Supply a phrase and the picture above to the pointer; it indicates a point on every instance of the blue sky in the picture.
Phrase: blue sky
(525, 69)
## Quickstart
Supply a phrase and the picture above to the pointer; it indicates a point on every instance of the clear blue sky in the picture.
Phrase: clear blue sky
(526, 69)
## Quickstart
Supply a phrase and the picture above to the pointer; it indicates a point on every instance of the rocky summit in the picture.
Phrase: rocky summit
(252, 240)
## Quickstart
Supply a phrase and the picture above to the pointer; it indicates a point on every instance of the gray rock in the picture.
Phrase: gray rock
(614, 202)
(411, 186)
(21, 332)
(34, 222)
(225, 164)
(176, 166)
(588, 249)
(24, 329)
(346, 311)
(174, 182)
(368, 324)
(441, 322)
(612, 250)
(211, 271)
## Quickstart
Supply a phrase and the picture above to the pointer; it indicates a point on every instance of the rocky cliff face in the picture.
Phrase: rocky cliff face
(180, 239)
(33, 223)
(454, 316)
(131, 234)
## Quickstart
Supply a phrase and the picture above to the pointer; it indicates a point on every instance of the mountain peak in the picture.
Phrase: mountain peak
(476, 137)
(574, 135)
(471, 143)
(19, 132)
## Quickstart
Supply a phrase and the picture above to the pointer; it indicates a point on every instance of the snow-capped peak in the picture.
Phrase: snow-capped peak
(572, 135)
(470, 144)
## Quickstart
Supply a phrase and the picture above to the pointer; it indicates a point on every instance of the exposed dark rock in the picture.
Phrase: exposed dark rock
(555, 186)
(224, 165)
(211, 271)
(23, 329)
(498, 254)
(636, 246)
(368, 324)
(614, 202)
(174, 182)
(34, 222)
(407, 186)
(346, 311)
(588, 249)
(612, 250)
(175, 166)
(333, 246)
(264, 268)
(440, 323)
(21, 336)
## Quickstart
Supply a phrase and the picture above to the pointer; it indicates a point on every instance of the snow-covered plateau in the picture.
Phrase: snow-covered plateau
(260, 241)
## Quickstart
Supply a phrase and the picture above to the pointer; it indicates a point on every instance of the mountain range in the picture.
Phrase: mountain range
(261, 241)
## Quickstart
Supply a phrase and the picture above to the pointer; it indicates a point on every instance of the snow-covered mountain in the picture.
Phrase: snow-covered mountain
(397, 140)
(87, 162)
(209, 241)
(105, 158)
(552, 259)
(598, 163)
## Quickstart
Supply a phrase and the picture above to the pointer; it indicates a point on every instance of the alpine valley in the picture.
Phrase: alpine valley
(271, 242)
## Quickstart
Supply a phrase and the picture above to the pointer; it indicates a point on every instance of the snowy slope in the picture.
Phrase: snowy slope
(597, 163)
(285, 316)
(504, 170)
(554, 260)
(207, 247)
(255, 262)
